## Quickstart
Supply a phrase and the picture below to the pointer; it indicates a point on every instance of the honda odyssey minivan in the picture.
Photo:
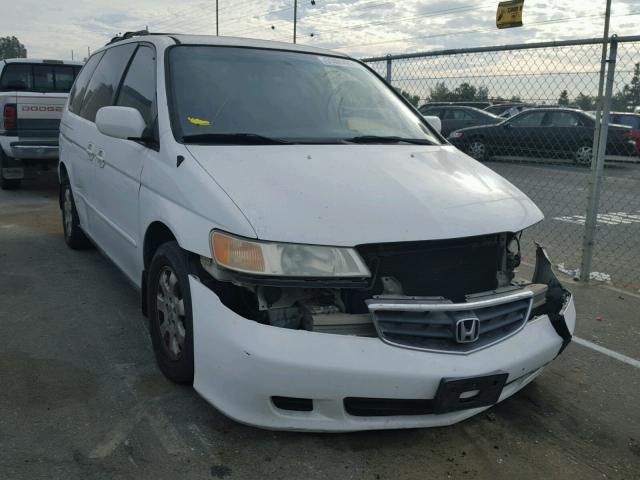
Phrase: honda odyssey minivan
(310, 253)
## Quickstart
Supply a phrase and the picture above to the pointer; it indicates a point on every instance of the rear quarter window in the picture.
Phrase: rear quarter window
(105, 80)
(82, 80)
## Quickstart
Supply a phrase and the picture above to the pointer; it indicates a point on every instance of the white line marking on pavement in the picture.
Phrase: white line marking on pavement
(200, 436)
(116, 435)
(609, 353)
(611, 218)
(166, 433)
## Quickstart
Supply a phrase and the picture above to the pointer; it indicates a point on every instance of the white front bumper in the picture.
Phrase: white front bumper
(240, 365)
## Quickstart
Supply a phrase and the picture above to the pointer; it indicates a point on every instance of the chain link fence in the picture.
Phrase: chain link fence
(527, 111)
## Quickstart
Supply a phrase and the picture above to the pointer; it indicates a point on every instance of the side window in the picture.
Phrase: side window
(433, 112)
(455, 114)
(562, 119)
(16, 76)
(80, 85)
(529, 119)
(138, 89)
(104, 82)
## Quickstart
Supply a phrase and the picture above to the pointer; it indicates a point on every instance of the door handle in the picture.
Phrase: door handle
(90, 152)
(100, 158)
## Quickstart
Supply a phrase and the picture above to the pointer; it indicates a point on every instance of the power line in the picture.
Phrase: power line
(437, 13)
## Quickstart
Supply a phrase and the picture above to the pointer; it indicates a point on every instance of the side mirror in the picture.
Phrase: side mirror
(434, 121)
(120, 122)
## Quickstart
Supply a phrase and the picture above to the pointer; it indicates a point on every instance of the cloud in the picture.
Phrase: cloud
(358, 27)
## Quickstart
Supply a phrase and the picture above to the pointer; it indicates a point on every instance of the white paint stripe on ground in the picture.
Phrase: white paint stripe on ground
(605, 351)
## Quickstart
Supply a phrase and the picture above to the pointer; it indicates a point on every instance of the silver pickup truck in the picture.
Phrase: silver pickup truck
(32, 97)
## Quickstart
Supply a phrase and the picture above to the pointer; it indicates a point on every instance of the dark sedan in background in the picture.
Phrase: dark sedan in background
(455, 117)
(543, 133)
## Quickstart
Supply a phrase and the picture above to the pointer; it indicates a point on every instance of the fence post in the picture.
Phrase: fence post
(388, 69)
(597, 168)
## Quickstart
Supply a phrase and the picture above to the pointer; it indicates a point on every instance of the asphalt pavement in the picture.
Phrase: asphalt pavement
(560, 190)
(82, 398)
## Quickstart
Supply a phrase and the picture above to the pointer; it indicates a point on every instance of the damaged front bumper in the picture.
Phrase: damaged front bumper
(345, 383)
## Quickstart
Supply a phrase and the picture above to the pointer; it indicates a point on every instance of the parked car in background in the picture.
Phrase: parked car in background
(471, 103)
(457, 117)
(630, 120)
(507, 110)
(336, 267)
(543, 133)
(32, 97)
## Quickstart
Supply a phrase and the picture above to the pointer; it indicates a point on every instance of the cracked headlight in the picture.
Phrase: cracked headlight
(285, 259)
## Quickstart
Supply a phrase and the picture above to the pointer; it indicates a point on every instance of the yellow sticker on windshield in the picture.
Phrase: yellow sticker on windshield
(198, 121)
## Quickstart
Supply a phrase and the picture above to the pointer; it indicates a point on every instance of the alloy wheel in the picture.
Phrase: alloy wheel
(170, 313)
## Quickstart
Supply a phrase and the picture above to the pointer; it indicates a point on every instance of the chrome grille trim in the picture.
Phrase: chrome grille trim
(494, 311)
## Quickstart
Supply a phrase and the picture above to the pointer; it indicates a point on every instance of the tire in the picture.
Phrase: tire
(170, 314)
(8, 183)
(74, 237)
(583, 155)
(477, 149)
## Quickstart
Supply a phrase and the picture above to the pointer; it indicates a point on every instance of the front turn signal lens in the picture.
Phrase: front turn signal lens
(237, 254)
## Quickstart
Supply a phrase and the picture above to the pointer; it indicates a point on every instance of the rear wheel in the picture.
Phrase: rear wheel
(73, 234)
(8, 183)
(583, 155)
(478, 149)
(171, 322)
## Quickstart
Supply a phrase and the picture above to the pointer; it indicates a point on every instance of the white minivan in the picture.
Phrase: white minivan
(311, 254)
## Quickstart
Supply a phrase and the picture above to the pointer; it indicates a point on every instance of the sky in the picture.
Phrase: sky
(360, 28)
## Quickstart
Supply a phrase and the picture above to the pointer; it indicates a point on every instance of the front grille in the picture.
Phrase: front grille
(434, 324)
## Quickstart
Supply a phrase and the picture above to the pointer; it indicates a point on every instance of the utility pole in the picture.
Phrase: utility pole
(295, 18)
(72, 54)
(217, 31)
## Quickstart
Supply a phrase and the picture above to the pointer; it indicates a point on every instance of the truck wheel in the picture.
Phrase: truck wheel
(73, 234)
(8, 183)
(170, 317)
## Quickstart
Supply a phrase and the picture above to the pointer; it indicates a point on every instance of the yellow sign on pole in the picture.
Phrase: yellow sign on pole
(509, 14)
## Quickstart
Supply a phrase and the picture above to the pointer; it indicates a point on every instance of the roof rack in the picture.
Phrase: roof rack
(138, 33)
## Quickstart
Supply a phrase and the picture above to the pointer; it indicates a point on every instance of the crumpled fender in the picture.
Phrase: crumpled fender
(557, 296)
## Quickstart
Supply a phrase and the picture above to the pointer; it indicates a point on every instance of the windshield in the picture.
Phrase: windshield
(246, 95)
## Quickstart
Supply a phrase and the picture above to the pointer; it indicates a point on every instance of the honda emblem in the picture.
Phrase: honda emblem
(467, 330)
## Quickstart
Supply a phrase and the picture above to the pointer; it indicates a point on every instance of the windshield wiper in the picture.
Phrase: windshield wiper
(233, 139)
(387, 139)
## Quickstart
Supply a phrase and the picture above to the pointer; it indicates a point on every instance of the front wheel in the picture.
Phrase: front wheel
(478, 149)
(171, 322)
(583, 155)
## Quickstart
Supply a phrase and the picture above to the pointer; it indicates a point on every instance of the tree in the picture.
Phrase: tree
(10, 47)
(585, 102)
(563, 101)
(465, 92)
(413, 99)
(440, 93)
(632, 89)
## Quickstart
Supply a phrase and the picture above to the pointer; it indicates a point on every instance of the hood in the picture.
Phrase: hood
(346, 195)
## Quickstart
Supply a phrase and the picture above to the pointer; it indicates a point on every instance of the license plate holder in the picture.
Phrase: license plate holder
(448, 397)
